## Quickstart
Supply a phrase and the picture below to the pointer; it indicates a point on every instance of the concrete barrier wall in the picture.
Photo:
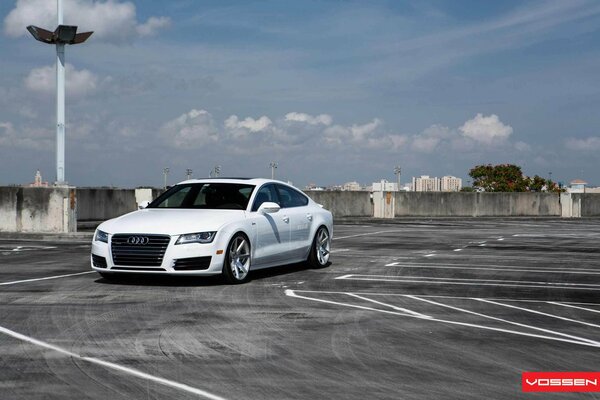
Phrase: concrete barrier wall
(104, 203)
(443, 204)
(585, 205)
(32, 209)
(344, 204)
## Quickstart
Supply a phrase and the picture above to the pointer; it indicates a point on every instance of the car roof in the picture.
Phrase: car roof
(247, 181)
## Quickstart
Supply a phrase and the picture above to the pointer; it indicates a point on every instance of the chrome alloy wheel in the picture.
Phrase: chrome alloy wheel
(239, 257)
(322, 246)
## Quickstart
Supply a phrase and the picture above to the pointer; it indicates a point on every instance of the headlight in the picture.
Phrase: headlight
(101, 236)
(200, 237)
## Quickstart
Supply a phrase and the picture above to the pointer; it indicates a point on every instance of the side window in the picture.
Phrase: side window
(291, 197)
(265, 194)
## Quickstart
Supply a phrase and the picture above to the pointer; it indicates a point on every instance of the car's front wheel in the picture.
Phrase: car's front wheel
(320, 249)
(237, 260)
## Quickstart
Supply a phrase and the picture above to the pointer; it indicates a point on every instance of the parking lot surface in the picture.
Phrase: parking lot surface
(409, 309)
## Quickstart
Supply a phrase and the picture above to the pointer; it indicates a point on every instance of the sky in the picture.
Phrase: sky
(332, 90)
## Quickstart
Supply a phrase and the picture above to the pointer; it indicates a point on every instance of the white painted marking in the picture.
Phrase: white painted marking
(292, 293)
(448, 281)
(367, 234)
(538, 312)
(405, 310)
(110, 365)
(561, 268)
(592, 342)
(437, 296)
(339, 250)
(457, 249)
(473, 280)
(572, 306)
(45, 278)
(442, 266)
(430, 255)
(500, 239)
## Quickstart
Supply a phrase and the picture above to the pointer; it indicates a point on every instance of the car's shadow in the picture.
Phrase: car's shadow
(169, 280)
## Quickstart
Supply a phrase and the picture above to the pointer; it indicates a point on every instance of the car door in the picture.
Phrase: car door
(272, 230)
(295, 204)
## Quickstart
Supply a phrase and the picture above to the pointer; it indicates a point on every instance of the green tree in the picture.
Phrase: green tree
(509, 178)
(499, 178)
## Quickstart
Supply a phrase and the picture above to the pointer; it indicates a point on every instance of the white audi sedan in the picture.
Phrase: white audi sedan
(216, 226)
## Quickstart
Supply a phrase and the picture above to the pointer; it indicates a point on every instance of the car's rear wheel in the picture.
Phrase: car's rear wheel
(320, 249)
(237, 260)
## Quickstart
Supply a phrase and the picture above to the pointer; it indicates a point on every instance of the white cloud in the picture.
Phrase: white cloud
(486, 129)
(588, 144)
(428, 140)
(153, 25)
(28, 137)
(322, 119)
(78, 82)
(253, 125)
(190, 130)
(522, 146)
(112, 20)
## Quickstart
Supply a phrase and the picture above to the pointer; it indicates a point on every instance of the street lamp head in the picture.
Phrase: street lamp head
(64, 34)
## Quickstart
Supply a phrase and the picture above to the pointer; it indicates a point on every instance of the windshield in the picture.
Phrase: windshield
(222, 196)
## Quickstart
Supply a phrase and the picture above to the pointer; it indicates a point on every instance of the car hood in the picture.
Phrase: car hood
(171, 221)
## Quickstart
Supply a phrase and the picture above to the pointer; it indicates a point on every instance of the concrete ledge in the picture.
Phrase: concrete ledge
(79, 237)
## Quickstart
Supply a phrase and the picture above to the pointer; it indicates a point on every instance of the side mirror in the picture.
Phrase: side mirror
(143, 204)
(268, 208)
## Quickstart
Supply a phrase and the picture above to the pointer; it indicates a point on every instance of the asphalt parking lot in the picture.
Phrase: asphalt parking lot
(415, 309)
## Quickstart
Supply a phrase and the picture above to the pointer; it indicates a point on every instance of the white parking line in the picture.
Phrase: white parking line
(572, 306)
(570, 339)
(45, 278)
(537, 312)
(577, 338)
(405, 310)
(446, 266)
(367, 234)
(110, 365)
(472, 282)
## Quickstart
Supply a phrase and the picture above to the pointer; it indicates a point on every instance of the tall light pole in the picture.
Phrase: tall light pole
(165, 173)
(397, 172)
(273, 166)
(188, 173)
(62, 35)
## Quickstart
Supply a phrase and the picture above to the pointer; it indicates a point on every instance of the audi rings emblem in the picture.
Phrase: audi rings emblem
(138, 240)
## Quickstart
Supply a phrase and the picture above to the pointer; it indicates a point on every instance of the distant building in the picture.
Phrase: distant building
(577, 186)
(384, 186)
(451, 184)
(351, 186)
(37, 180)
(426, 184)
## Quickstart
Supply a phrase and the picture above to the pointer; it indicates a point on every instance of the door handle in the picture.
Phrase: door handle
(286, 219)
(309, 217)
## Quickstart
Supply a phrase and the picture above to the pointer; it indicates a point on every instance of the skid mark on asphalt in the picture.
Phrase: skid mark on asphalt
(111, 365)
(344, 299)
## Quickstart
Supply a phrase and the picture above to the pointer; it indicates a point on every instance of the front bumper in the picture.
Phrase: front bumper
(193, 259)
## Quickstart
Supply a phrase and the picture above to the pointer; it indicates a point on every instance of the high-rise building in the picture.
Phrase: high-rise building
(426, 184)
(451, 184)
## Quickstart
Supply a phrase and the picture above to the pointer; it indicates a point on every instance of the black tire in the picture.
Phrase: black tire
(318, 257)
(236, 267)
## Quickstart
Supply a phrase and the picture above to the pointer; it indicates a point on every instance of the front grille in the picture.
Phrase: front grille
(196, 263)
(143, 255)
(98, 262)
(137, 269)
